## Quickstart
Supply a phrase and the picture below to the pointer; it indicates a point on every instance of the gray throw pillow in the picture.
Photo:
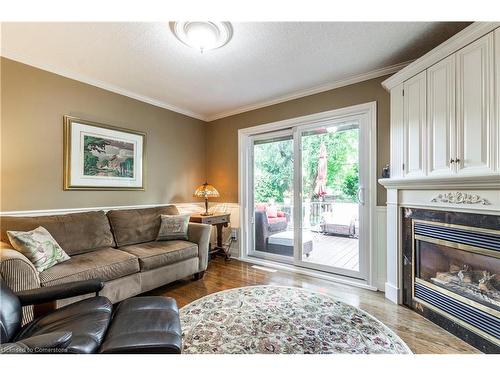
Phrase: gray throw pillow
(173, 227)
(38, 246)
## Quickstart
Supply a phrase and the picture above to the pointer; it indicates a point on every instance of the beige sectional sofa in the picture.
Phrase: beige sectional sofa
(119, 247)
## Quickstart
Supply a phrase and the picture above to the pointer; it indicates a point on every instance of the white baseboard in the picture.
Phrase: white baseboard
(392, 293)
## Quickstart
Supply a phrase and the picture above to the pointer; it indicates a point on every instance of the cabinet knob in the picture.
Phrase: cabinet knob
(457, 160)
(452, 161)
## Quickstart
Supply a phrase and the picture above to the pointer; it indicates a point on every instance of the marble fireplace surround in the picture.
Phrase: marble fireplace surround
(472, 194)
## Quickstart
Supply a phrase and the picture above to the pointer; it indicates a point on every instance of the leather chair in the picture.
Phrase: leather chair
(140, 324)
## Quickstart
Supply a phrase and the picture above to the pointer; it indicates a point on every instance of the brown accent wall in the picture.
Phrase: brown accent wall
(33, 103)
(222, 135)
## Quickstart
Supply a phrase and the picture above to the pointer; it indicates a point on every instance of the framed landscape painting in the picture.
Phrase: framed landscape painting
(102, 157)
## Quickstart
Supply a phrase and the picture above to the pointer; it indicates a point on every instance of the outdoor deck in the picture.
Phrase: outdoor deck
(335, 251)
(329, 250)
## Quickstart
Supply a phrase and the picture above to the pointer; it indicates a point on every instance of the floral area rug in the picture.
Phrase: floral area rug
(272, 319)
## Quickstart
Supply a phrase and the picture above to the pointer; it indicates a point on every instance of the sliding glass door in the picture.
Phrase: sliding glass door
(307, 196)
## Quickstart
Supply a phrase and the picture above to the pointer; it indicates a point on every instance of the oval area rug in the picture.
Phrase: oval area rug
(288, 320)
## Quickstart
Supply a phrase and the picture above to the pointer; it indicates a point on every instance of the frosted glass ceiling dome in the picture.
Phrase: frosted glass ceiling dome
(201, 35)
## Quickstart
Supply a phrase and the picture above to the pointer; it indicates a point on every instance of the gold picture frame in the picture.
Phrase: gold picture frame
(102, 157)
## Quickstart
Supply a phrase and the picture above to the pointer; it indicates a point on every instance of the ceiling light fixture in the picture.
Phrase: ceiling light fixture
(202, 36)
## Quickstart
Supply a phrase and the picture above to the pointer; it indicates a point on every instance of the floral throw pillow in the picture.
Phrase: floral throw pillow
(38, 246)
(173, 227)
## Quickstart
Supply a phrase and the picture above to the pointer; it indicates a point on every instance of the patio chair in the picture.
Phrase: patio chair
(342, 220)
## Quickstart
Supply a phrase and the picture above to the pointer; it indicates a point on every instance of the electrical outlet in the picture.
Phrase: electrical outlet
(234, 234)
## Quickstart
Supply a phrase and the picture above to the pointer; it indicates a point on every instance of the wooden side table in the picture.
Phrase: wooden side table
(219, 220)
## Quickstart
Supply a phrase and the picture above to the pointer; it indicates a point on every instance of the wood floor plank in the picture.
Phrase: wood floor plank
(421, 335)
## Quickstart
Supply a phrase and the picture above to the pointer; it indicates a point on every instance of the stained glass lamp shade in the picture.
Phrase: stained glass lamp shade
(206, 191)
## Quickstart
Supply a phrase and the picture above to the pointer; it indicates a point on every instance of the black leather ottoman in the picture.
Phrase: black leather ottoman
(144, 325)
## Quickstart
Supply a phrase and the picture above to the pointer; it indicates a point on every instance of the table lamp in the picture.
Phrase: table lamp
(206, 191)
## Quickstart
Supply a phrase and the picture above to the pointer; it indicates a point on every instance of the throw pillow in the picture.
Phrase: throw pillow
(260, 206)
(39, 247)
(173, 227)
(272, 211)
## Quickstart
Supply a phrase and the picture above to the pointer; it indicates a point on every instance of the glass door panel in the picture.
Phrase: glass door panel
(330, 180)
(272, 178)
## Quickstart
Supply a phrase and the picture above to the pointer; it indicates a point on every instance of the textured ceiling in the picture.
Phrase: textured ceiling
(263, 62)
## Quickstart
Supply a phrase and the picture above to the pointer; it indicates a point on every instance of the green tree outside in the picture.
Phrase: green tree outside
(273, 168)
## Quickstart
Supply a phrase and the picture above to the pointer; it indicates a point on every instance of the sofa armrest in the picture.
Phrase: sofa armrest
(16, 270)
(200, 234)
(51, 293)
(54, 342)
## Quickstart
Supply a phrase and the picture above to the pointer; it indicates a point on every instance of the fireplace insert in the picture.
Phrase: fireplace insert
(455, 278)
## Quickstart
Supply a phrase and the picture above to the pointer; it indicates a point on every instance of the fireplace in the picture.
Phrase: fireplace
(451, 272)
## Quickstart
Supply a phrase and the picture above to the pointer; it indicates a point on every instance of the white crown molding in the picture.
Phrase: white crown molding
(158, 103)
(456, 42)
(102, 85)
(314, 90)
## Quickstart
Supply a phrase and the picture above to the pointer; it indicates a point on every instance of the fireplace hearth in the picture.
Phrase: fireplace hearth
(451, 272)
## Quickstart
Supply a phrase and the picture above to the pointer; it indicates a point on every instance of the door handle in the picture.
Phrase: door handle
(361, 195)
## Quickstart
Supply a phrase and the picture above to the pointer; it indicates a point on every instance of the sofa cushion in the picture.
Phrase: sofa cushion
(277, 225)
(138, 225)
(105, 264)
(161, 253)
(76, 233)
(273, 220)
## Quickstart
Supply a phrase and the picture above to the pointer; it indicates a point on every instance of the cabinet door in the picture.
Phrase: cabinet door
(441, 138)
(397, 131)
(414, 125)
(474, 107)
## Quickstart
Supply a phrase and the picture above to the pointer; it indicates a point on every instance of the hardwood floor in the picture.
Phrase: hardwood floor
(420, 335)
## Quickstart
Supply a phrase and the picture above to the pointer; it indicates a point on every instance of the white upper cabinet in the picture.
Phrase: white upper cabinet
(445, 109)
(414, 125)
(475, 107)
(441, 139)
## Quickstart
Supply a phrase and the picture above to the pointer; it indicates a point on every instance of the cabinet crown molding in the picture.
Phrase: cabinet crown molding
(456, 42)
